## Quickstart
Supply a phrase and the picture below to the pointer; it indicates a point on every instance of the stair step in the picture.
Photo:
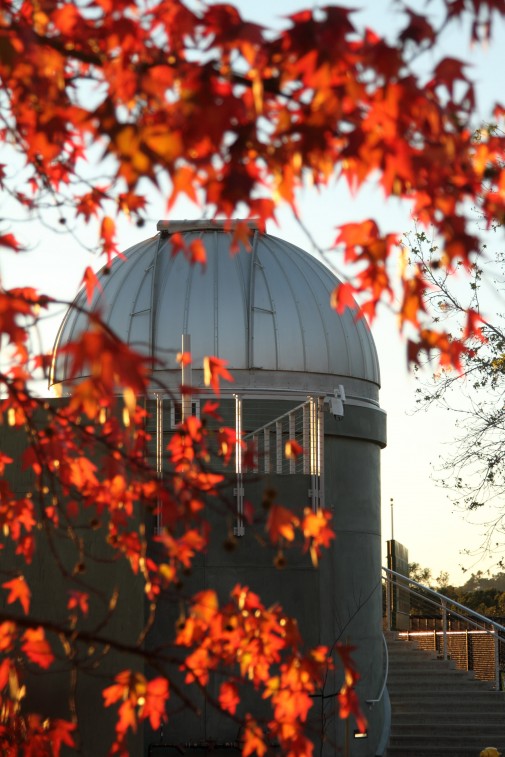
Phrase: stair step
(436, 751)
(450, 718)
(433, 673)
(433, 685)
(476, 740)
(443, 731)
(438, 710)
(478, 692)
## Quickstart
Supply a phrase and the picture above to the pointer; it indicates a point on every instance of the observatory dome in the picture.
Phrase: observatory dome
(265, 311)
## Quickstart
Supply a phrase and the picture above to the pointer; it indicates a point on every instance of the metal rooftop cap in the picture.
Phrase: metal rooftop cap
(266, 311)
(208, 224)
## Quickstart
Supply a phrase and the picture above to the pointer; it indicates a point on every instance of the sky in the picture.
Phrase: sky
(425, 521)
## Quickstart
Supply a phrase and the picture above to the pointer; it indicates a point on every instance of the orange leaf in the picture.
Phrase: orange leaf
(317, 532)
(4, 460)
(37, 648)
(67, 18)
(154, 708)
(108, 238)
(292, 449)
(5, 668)
(342, 298)
(281, 523)
(184, 358)
(9, 240)
(213, 370)
(18, 590)
(127, 717)
(91, 282)
(253, 739)
(197, 253)
(7, 635)
(205, 606)
(228, 697)
(78, 601)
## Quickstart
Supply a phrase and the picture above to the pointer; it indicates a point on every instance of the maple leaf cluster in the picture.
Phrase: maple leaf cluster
(318, 100)
(94, 459)
(265, 647)
(238, 119)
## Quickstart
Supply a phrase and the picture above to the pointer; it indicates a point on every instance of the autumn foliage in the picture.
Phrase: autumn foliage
(102, 103)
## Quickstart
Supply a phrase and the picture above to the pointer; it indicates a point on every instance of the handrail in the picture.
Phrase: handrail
(497, 631)
(371, 702)
(453, 602)
(386, 722)
(275, 420)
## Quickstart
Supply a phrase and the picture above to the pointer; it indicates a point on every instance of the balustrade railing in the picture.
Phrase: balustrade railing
(445, 641)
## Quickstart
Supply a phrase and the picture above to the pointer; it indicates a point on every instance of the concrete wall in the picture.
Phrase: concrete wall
(64, 559)
(340, 601)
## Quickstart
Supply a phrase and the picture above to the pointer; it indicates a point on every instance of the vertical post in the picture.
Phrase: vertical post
(186, 378)
(266, 450)
(314, 457)
(496, 659)
(239, 529)
(255, 442)
(159, 456)
(278, 447)
(306, 438)
(389, 603)
(320, 450)
(444, 626)
(292, 435)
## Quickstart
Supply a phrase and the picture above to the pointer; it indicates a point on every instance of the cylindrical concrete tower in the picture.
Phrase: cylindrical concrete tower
(300, 371)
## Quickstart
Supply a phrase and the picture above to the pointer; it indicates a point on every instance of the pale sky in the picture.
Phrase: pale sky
(424, 519)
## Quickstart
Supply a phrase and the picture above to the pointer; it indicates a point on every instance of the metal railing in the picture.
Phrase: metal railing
(372, 702)
(303, 424)
(448, 608)
(383, 697)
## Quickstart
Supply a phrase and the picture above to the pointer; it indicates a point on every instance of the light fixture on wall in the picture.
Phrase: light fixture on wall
(360, 734)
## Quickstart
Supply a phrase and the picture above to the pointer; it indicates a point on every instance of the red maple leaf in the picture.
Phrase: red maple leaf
(91, 282)
(281, 523)
(214, 369)
(18, 591)
(228, 697)
(36, 647)
(157, 693)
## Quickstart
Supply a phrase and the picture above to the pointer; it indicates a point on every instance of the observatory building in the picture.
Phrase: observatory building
(301, 371)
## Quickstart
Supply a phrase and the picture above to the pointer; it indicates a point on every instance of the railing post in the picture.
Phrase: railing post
(278, 447)
(159, 457)
(239, 529)
(496, 659)
(444, 626)
(389, 602)
(306, 438)
(292, 435)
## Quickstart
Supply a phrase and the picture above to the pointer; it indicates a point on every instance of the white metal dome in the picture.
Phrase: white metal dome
(267, 312)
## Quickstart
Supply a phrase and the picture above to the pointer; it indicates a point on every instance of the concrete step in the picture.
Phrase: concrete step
(405, 750)
(436, 715)
(437, 710)
(444, 674)
(477, 740)
(400, 689)
(444, 731)
(433, 684)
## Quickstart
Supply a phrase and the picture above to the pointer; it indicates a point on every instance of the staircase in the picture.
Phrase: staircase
(438, 711)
